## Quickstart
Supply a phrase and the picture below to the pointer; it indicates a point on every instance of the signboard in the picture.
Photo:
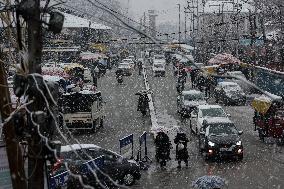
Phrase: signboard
(5, 177)
(125, 142)
(61, 179)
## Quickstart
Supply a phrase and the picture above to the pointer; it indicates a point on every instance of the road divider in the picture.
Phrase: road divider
(155, 127)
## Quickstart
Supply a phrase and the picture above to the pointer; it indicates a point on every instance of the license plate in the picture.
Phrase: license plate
(224, 149)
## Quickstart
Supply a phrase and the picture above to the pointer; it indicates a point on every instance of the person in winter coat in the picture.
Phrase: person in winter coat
(181, 141)
(163, 143)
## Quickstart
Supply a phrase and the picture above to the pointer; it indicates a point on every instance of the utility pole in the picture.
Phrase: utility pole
(179, 24)
(36, 160)
(185, 20)
(14, 152)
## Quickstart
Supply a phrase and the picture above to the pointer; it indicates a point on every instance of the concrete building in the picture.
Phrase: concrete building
(222, 25)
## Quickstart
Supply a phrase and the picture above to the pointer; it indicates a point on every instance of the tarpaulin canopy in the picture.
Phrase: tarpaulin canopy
(261, 104)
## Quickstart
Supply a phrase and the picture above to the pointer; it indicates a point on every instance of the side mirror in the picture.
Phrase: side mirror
(229, 115)
(240, 132)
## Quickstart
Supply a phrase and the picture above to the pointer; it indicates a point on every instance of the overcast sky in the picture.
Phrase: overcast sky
(167, 9)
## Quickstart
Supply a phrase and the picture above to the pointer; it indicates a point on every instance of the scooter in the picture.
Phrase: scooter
(180, 87)
(120, 79)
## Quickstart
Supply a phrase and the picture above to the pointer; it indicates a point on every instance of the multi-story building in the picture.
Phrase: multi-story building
(223, 25)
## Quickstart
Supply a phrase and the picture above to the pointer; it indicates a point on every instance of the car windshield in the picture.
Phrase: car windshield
(232, 87)
(159, 57)
(158, 65)
(213, 112)
(194, 97)
(222, 129)
(123, 65)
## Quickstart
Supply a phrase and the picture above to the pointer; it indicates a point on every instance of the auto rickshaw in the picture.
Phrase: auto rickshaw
(269, 117)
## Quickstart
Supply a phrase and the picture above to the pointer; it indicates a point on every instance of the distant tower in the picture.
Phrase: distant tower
(152, 22)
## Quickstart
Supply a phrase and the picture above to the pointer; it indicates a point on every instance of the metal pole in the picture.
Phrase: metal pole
(179, 24)
(185, 29)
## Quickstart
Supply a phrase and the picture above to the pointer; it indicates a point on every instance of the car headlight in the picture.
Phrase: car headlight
(211, 143)
(239, 143)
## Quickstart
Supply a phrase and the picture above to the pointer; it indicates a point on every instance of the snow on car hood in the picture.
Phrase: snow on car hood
(224, 139)
(194, 103)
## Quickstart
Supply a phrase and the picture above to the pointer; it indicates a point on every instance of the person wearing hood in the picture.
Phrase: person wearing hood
(181, 141)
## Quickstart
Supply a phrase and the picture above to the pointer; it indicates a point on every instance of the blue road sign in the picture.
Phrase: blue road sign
(143, 137)
(59, 180)
(126, 141)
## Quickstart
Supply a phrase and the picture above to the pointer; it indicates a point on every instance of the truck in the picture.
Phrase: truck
(82, 110)
(269, 117)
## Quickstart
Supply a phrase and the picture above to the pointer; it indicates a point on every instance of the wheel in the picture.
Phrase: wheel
(240, 157)
(190, 125)
(128, 179)
(196, 131)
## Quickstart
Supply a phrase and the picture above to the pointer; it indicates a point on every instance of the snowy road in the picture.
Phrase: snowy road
(262, 166)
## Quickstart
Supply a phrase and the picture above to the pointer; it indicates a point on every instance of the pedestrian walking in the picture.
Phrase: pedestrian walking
(181, 141)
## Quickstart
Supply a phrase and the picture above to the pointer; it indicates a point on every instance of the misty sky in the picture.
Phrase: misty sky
(167, 9)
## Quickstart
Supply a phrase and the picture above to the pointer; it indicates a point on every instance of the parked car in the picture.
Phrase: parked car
(220, 138)
(229, 93)
(206, 112)
(241, 80)
(187, 101)
(115, 166)
(126, 68)
(159, 69)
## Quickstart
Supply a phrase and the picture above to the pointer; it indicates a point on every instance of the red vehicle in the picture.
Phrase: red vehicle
(269, 118)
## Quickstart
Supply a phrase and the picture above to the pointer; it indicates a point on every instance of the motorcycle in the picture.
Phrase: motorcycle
(180, 87)
(120, 79)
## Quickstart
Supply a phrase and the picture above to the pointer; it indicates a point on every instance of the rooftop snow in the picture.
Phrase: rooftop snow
(208, 106)
(191, 92)
(77, 147)
(71, 21)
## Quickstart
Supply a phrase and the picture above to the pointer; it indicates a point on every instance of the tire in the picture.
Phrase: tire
(240, 157)
(128, 179)
(196, 131)
(190, 125)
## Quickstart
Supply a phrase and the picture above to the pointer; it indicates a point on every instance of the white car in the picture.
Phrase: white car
(206, 112)
(126, 68)
(129, 61)
(159, 69)
(189, 100)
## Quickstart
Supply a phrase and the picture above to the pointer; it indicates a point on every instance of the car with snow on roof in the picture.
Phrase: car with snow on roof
(229, 93)
(220, 138)
(187, 101)
(206, 112)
